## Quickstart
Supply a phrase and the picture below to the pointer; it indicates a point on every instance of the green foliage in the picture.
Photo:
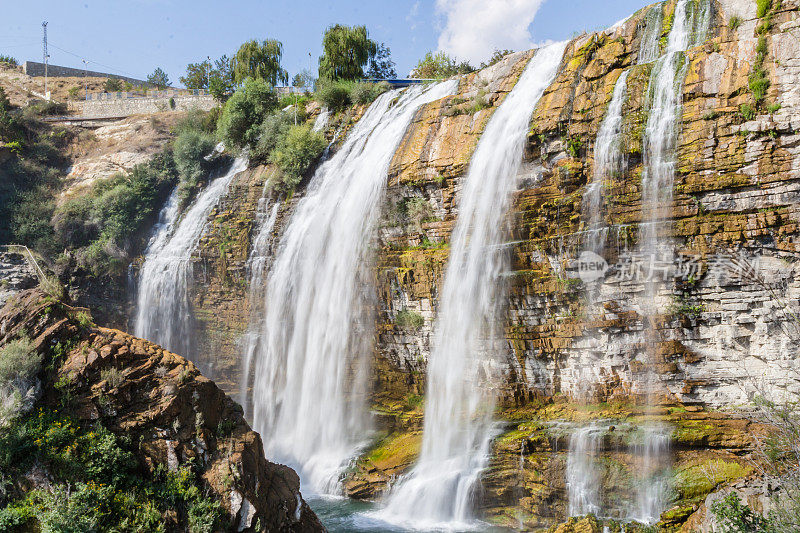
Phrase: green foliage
(574, 145)
(158, 79)
(112, 376)
(381, 66)
(8, 61)
(409, 320)
(112, 85)
(295, 153)
(19, 365)
(734, 22)
(763, 7)
(496, 57)
(747, 112)
(99, 485)
(190, 149)
(220, 80)
(346, 50)
(335, 95)
(736, 517)
(366, 93)
(244, 112)
(699, 480)
(439, 66)
(110, 221)
(260, 61)
(274, 127)
(759, 83)
(197, 75)
(774, 107)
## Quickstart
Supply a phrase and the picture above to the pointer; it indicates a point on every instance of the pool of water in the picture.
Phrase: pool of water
(342, 515)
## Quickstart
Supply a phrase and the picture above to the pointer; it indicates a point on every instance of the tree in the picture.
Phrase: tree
(197, 75)
(260, 61)
(112, 85)
(158, 79)
(440, 65)
(221, 78)
(244, 112)
(496, 56)
(345, 52)
(381, 66)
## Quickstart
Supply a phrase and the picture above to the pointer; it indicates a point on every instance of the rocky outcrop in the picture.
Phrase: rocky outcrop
(160, 402)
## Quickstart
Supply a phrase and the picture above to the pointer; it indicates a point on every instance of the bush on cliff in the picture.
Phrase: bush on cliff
(336, 95)
(103, 226)
(190, 150)
(295, 153)
(244, 112)
(274, 127)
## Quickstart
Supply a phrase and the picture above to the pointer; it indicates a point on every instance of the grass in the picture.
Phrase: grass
(409, 320)
(734, 22)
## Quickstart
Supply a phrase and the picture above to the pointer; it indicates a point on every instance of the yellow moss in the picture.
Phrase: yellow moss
(396, 449)
(697, 481)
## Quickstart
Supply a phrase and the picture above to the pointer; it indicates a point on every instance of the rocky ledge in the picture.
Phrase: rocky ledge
(176, 423)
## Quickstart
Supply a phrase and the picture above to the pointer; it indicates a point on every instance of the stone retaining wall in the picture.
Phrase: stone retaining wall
(136, 106)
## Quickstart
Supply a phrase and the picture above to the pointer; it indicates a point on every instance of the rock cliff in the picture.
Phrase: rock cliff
(173, 420)
(579, 351)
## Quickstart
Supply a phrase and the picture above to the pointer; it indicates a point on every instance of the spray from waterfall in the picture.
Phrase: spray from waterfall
(458, 407)
(583, 478)
(310, 361)
(163, 310)
(689, 27)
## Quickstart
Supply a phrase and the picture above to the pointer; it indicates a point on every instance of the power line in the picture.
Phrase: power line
(94, 62)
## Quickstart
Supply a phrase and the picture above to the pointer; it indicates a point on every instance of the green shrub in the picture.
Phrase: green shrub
(112, 376)
(763, 7)
(295, 153)
(190, 149)
(736, 517)
(335, 95)
(366, 93)
(734, 22)
(409, 320)
(19, 365)
(274, 127)
(113, 85)
(759, 83)
(8, 61)
(747, 112)
(244, 112)
(418, 210)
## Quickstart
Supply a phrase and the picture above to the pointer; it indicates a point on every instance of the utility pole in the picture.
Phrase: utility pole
(46, 57)
(208, 72)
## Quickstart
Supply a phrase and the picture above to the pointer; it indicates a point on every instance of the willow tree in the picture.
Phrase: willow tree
(345, 52)
(259, 60)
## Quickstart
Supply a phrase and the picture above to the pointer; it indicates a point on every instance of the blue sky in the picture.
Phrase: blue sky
(132, 37)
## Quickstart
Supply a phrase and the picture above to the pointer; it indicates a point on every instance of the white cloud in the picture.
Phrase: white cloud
(473, 29)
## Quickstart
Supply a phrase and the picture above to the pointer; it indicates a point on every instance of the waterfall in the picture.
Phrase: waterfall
(583, 479)
(458, 403)
(649, 45)
(654, 453)
(660, 146)
(163, 311)
(311, 360)
(607, 162)
(256, 269)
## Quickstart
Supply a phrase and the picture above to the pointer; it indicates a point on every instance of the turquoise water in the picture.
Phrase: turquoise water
(342, 515)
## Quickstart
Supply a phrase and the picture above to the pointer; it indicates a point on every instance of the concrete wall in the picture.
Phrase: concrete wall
(36, 70)
(135, 106)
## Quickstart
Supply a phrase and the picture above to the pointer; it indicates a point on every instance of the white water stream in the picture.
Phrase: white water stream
(163, 310)
(310, 361)
(438, 491)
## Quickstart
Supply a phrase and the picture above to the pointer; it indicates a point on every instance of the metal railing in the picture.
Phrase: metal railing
(29, 257)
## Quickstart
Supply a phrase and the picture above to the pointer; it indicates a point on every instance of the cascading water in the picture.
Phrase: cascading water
(583, 479)
(649, 46)
(256, 269)
(653, 451)
(310, 362)
(607, 162)
(458, 408)
(163, 311)
(690, 23)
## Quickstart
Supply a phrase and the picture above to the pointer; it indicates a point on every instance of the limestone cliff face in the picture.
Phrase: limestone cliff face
(718, 335)
(160, 402)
